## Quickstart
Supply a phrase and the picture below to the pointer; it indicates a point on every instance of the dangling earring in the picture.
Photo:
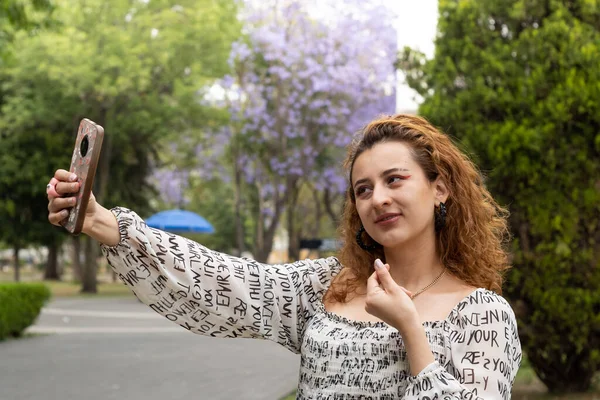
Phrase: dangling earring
(363, 245)
(440, 217)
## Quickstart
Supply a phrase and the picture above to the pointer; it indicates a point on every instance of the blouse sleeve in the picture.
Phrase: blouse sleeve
(484, 349)
(216, 294)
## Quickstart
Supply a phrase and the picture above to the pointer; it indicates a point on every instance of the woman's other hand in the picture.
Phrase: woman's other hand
(389, 301)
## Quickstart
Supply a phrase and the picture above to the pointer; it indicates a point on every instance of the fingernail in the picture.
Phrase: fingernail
(72, 177)
(379, 264)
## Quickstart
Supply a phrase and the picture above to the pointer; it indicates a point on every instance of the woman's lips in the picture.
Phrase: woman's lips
(387, 219)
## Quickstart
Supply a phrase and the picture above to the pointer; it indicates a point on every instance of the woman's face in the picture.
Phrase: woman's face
(394, 198)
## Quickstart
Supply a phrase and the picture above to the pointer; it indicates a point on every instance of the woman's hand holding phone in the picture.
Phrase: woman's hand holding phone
(71, 203)
(61, 185)
(99, 223)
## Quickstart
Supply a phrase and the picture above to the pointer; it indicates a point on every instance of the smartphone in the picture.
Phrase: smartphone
(83, 164)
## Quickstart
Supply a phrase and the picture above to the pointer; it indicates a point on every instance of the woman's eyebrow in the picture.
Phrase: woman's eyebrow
(384, 173)
(392, 170)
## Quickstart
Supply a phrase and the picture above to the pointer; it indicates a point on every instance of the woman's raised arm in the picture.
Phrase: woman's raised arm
(215, 294)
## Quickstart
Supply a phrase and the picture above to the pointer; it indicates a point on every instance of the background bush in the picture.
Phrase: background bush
(20, 304)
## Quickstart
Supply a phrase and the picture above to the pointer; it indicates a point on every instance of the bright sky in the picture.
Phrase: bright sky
(416, 28)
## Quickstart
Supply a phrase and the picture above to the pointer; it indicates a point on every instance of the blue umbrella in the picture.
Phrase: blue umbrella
(179, 221)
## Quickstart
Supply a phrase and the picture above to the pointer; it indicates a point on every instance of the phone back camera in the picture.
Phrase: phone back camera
(83, 148)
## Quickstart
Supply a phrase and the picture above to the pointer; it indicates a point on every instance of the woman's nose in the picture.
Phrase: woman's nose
(381, 197)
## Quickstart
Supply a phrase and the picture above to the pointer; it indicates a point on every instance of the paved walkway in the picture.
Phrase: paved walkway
(97, 349)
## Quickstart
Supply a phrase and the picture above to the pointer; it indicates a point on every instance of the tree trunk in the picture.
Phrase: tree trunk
(51, 272)
(239, 227)
(329, 207)
(103, 170)
(318, 213)
(90, 267)
(16, 250)
(262, 252)
(293, 239)
(259, 232)
(76, 259)
(265, 235)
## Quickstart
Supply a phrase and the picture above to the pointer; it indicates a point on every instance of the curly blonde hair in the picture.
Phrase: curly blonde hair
(473, 243)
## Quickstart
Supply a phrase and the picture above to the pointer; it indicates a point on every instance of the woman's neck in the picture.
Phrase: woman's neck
(414, 265)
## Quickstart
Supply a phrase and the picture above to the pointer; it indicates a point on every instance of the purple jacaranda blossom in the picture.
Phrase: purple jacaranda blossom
(171, 185)
(268, 212)
(306, 75)
(227, 82)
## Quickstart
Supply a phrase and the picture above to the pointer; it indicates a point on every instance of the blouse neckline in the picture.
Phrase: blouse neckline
(380, 324)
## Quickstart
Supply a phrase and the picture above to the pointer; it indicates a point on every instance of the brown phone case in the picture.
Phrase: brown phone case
(83, 163)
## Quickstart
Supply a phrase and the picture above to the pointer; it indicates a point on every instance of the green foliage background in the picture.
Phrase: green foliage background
(139, 70)
(518, 82)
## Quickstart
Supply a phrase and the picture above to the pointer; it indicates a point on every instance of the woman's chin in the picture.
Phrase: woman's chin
(393, 243)
(405, 240)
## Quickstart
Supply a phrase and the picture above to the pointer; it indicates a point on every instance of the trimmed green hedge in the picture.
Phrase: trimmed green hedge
(20, 304)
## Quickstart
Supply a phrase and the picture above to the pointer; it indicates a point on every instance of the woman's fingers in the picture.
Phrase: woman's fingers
(62, 184)
(383, 275)
(55, 218)
(59, 189)
(63, 188)
(57, 209)
(51, 188)
(372, 283)
(63, 175)
(60, 203)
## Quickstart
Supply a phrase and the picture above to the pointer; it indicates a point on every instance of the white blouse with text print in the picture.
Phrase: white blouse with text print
(476, 348)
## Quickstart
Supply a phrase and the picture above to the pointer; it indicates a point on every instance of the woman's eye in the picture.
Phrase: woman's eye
(395, 179)
(361, 190)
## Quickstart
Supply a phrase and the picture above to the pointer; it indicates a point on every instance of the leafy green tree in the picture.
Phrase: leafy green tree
(23, 204)
(141, 71)
(517, 82)
(23, 207)
(214, 200)
(18, 15)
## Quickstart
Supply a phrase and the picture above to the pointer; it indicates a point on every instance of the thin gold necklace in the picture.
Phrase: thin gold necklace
(430, 285)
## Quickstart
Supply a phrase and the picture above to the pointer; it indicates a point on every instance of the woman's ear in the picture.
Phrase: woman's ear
(441, 191)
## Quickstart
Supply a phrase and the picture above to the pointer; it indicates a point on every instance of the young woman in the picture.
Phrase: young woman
(411, 309)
